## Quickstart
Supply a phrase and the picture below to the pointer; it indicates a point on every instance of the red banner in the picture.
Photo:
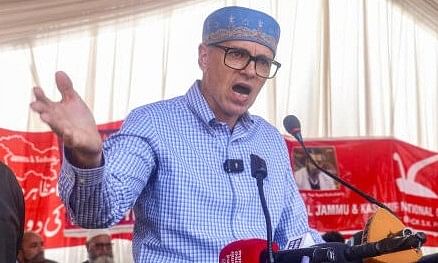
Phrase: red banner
(35, 158)
(401, 175)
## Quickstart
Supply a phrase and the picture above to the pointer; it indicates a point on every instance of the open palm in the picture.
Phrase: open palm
(71, 120)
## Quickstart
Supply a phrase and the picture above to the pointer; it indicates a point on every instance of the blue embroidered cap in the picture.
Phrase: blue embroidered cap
(240, 23)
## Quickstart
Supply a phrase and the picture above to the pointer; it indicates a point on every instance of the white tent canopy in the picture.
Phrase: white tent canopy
(350, 68)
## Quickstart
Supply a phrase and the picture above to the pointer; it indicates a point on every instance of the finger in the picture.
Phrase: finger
(64, 84)
(40, 96)
(41, 101)
(38, 106)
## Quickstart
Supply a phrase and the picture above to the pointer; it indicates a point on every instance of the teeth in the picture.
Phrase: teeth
(241, 89)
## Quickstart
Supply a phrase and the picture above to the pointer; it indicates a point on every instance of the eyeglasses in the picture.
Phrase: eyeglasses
(238, 58)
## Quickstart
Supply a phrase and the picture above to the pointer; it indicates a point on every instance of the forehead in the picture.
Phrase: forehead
(257, 48)
(101, 239)
(31, 238)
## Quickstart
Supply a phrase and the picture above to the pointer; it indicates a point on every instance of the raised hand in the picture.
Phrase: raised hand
(72, 121)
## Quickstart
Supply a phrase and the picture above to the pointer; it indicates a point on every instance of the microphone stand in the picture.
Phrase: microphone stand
(259, 172)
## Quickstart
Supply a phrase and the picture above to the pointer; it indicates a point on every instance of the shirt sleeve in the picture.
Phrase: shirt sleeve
(100, 197)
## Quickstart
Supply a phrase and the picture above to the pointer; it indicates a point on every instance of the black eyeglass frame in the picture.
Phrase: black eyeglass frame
(251, 58)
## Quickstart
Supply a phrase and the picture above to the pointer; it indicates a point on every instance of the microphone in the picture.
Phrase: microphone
(233, 166)
(293, 127)
(254, 251)
(432, 258)
(259, 172)
(312, 254)
(339, 252)
(245, 251)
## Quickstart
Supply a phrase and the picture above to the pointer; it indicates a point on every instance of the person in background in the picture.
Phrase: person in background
(309, 177)
(184, 164)
(11, 215)
(32, 249)
(99, 246)
(333, 236)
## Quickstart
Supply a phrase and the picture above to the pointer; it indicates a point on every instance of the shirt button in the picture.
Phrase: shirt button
(81, 181)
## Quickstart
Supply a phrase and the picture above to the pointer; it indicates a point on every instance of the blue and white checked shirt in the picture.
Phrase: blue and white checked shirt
(166, 161)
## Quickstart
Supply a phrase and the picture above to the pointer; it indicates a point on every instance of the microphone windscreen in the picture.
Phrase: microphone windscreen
(291, 124)
(293, 127)
(245, 251)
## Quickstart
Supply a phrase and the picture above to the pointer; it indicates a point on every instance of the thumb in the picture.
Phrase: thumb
(64, 84)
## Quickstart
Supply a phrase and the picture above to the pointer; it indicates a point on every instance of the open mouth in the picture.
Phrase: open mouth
(241, 89)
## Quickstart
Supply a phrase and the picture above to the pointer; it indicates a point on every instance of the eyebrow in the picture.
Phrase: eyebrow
(246, 50)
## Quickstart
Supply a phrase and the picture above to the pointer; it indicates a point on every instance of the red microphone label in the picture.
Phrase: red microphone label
(235, 256)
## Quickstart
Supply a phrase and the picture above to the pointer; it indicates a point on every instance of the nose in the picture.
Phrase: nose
(250, 69)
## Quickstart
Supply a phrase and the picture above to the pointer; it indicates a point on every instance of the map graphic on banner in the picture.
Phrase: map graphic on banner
(402, 176)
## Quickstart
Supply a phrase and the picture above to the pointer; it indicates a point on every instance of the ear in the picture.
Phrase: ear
(202, 56)
(20, 256)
